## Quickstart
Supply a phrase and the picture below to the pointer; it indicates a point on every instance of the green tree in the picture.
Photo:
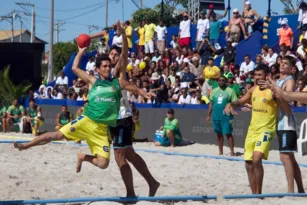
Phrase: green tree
(142, 14)
(168, 15)
(290, 7)
(9, 90)
(62, 52)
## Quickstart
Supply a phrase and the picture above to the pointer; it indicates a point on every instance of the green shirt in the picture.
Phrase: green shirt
(104, 102)
(220, 98)
(64, 118)
(32, 113)
(15, 111)
(236, 88)
(172, 125)
(2, 111)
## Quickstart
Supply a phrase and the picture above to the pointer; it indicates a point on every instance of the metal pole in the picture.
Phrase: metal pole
(269, 9)
(33, 26)
(20, 32)
(162, 9)
(141, 4)
(50, 60)
(107, 11)
(57, 31)
(12, 26)
(123, 11)
(228, 8)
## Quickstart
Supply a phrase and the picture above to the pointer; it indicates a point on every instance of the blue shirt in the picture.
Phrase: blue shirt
(215, 27)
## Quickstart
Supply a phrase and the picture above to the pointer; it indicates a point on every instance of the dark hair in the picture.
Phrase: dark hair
(303, 5)
(118, 49)
(32, 100)
(128, 23)
(265, 47)
(271, 49)
(304, 41)
(222, 76)
(291, 60)
(263, 67)
(64, 106)
(247, 56)
(100, 59)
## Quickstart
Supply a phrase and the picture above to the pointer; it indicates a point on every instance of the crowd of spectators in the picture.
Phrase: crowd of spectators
(178, 73)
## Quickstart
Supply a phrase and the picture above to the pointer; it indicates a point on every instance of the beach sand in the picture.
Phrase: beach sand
(49, 172)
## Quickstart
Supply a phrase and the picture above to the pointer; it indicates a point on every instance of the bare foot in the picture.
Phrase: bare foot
(232, 154)
(20, 147)
(80, 157)
(153, 189)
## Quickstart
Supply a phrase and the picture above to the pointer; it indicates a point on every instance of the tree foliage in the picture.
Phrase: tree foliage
(9, 90)
(168, 15)
(142, 14)
(62, 52)
(290, 6)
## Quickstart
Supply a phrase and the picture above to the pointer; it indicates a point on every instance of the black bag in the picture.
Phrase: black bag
(27, 128)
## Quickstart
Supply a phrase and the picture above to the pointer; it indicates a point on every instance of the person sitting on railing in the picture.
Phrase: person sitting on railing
(249, 18)
(171, 132)
(63, 118)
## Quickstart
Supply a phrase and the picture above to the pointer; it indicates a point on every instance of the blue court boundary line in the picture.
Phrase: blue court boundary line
(236, 159)
(255, 196)
(113, 199)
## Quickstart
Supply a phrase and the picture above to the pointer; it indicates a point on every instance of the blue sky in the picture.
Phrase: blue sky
(70, 9)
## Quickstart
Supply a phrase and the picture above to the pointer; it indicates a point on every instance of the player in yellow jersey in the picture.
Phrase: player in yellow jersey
(262, 128)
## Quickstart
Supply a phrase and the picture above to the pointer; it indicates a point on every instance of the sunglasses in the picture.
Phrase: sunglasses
(235, 12)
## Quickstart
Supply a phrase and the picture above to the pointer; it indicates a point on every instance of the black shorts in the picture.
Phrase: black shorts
(304, 27)
(122, 134)
(287, 140)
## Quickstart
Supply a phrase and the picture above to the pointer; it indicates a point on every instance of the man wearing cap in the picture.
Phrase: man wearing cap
(203, 26)
(229, 52)
(184, 31)
(236, 25)
(171, 132)
(249, 17)
(158, 87)
(285, 34)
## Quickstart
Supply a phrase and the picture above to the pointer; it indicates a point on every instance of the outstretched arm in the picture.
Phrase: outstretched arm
(132, 88)
(88, 79)
(120, 68)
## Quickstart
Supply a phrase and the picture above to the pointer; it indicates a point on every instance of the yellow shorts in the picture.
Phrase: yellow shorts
(95, 134)
(257, 142)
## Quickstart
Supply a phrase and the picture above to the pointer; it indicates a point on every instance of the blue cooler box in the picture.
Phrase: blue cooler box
(158, 136)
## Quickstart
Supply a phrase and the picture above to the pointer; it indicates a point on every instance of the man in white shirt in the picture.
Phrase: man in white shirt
(90, 64)
(184, 98)
(161, 32)
(61, 82)
(117, 40)
(247, 66)
(270, 59)
(203, 26)
(184, 31)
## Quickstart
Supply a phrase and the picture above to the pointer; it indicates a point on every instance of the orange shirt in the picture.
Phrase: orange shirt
(285, 36)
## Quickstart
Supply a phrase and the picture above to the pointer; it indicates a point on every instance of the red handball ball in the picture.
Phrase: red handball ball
(83, 40)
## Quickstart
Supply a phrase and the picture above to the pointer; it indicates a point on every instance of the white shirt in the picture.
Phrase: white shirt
(247, 68)
(155, 59)
(185, 29)
(161, 32)
(183, 100)
(302, 16)
(62, 81)
(90, 66)
(117, 40)
(300, 50)
(271, 59)
(58, 97)
(173, 44)
(194, 101)
(203, 26)
(125, 109)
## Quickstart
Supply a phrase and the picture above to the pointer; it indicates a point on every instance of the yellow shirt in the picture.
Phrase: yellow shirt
(264, 111)
(129, 33)
(211, 72)
(106, 36)
(301, 38)
(141, 32)
(149, 32)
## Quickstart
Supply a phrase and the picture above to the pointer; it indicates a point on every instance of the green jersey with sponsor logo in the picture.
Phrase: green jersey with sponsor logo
(15, 111)
(32, 113)
(104, 102)
(64, 118)
(220, 98)
(2, 111)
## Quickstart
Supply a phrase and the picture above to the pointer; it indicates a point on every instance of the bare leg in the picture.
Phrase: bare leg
(298, 176)
(170, 136)
(251, 175)
(220, 141)
(9, 124)
(97, 161)
(3, 125)
(40, 140)
(258, 170)
(125, 170)
(142, 168)
(231, 143)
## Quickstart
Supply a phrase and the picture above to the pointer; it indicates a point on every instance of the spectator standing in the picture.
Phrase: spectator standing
(285, 34)
(203, 26)
(185, 31)
(128, 31)
(141, 34)
(215, 30)
(235, 27)
(219, 98)
(117, 40)
(161, 32)
(249, 15)
(212, 12)
(103, 48)
(206, 51)
(90, 64)
(150, 29)
(229, 52)
(302, 17)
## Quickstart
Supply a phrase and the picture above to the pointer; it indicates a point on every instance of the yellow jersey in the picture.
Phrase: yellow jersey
(264, 111)
(141, 32)
(128, 31)
(150, 30)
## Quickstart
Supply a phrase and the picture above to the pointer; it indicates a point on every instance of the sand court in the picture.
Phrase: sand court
(48, 172)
